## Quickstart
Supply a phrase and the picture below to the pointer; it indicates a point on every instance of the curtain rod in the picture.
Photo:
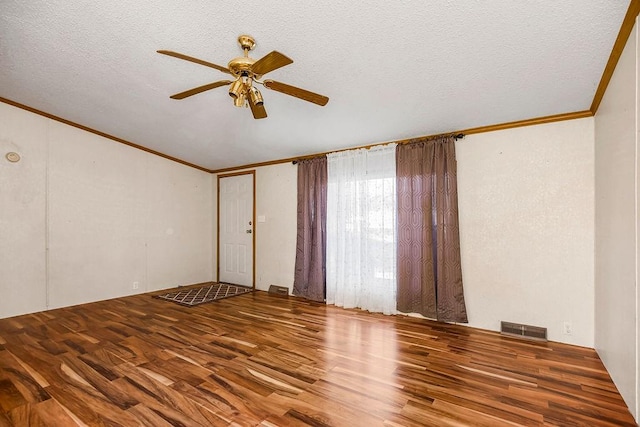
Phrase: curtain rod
(403, 141)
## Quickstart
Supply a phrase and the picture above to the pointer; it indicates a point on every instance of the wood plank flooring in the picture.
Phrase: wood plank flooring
(264, 360)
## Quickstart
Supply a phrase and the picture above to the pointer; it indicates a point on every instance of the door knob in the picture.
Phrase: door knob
(248, 231)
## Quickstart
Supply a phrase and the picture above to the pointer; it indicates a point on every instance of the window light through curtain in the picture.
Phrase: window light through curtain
(361, 229)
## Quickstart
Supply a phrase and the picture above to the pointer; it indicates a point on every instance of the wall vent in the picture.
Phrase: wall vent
(519, 330)
(279, 290)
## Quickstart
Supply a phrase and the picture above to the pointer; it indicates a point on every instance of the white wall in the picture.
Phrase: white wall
(276, 200)
(616, 296)
(110, 214)
(526, 227)
(22, 212)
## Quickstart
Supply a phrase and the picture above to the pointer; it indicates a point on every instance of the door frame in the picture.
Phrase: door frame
(253, 222)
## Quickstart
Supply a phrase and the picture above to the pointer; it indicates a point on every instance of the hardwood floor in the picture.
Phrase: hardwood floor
(259, 359)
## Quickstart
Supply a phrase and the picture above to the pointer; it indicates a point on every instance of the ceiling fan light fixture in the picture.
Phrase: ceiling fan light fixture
(255, 97)
(240, 100)
(236, 90)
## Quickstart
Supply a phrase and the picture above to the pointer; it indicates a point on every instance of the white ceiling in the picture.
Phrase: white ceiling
(392, 70)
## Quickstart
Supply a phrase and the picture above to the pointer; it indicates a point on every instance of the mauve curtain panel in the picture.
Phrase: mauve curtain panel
(429, 268)
(310, 271)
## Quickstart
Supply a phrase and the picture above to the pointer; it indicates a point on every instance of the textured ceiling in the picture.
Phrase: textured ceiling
(392, 70)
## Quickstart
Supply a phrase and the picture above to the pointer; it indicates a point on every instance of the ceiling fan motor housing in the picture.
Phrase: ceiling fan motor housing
(241, 66)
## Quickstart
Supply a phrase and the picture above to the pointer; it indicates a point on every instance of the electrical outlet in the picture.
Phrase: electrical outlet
(135, 285)
(566, 328)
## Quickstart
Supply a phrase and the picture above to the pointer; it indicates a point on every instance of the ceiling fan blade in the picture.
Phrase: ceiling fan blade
(297, 92)
(196, 60)
(199, 89)
(269, 62)
(258, 110)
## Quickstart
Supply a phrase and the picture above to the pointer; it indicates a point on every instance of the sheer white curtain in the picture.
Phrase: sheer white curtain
(361, 229)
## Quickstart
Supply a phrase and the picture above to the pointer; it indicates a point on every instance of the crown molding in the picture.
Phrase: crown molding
(99, 133)
(623, 36)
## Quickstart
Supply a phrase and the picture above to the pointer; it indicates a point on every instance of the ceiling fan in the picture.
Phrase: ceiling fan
(247, 72)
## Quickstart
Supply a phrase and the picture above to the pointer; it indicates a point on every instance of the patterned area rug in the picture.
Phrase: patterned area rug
(206, 293)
